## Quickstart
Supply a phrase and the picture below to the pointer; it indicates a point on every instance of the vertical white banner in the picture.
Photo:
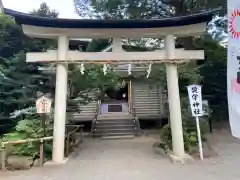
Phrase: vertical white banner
(233, 66)
(195, 99)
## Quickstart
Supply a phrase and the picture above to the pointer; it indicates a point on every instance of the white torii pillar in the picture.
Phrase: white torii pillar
(174, 101)
(60, 102)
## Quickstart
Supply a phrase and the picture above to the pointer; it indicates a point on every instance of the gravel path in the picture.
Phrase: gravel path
(133, 159)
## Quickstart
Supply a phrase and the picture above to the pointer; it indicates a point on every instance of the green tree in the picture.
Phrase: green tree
(19, 81)
(144, 9)
(5, 22)
(45, 11)
(149, 9)
(214, 73)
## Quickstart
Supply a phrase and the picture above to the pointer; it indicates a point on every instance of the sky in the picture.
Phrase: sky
(65, 8)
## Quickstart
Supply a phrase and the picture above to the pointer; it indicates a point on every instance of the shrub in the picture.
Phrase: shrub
(30, 128)
(189, 130)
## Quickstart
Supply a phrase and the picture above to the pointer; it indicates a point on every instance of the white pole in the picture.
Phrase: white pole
(199, 138)
(174, 100)
(60, 102)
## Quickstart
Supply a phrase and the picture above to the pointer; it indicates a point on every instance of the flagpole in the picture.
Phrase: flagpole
(199, 138)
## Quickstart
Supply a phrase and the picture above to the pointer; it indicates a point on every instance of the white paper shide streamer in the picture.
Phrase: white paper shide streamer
(129, 69)
(82, 69)
(149, 70)
(105, 69)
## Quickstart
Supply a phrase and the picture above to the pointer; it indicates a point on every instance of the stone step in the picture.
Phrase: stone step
(118, 137)
(107, 131)
(113, 126)
(114, 118)
(114, 134)
(114, 122)
(110, 116)
(115, 113)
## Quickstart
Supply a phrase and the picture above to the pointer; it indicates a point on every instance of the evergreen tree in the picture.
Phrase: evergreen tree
(20, 81)
(144, 9)
(45, 11)
(212, 73)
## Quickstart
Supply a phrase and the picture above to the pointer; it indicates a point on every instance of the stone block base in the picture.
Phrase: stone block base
(178, 160)
(53, 163)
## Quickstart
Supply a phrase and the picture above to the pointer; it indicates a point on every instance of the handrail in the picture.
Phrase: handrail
(136, 120)
(25, 141)
(132, 109)
(41, 140)
(98, 111)
(99, 107)
(69, 135)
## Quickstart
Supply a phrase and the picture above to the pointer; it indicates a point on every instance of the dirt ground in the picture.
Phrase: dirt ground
(134, 159)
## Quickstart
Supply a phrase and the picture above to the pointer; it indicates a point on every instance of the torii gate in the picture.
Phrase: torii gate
(63, 29)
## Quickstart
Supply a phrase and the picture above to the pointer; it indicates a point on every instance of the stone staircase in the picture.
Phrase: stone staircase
(115, 125)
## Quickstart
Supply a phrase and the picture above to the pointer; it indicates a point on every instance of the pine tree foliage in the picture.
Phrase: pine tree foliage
(212, 73)
(20, 81)
(45, 11)
(144, 9)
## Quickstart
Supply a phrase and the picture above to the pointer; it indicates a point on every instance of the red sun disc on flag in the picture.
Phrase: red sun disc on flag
(232, 27)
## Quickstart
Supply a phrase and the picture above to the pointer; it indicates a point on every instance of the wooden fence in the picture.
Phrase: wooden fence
(71, 140)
